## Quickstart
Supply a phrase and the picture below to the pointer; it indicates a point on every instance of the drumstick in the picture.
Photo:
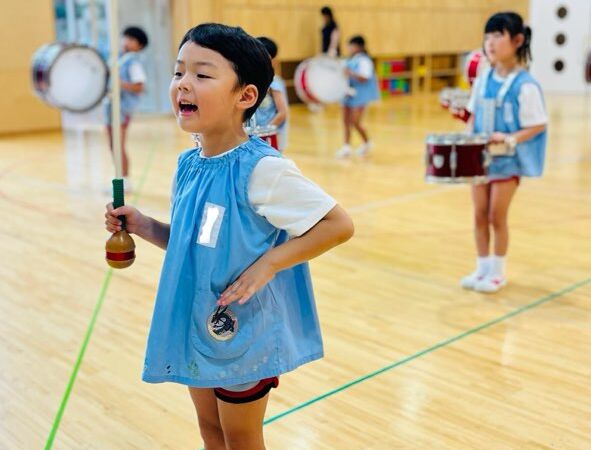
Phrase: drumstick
(120, 248)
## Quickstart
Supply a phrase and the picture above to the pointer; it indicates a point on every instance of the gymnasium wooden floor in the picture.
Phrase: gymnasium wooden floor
(412, 361)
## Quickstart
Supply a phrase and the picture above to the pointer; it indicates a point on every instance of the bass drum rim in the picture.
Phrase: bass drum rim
(63, 48)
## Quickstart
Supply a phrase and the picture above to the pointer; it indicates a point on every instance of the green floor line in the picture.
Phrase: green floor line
(431, 349)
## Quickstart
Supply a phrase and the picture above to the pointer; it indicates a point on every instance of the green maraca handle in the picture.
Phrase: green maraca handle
(119, 198)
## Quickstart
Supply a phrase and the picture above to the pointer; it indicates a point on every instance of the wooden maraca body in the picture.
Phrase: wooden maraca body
(120, 250)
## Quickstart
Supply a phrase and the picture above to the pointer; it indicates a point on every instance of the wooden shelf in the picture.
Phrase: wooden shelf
(445, 72)
(397, 76)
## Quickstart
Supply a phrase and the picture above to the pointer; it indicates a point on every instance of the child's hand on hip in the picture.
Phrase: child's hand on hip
(251, 280)
(136, 221)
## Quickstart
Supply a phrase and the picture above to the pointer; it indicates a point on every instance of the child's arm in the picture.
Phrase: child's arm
(145, 227)
(281, 105)
(334, 43)
(532, 115)
(356, 76)
(522, 135)
(136, 88)
(334, 229)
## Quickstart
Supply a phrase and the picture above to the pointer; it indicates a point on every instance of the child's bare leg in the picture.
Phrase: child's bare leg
(500, 200)
(110, 134)
(243, 424)
(124, 158)
(210, 427)
(356, 115)
(480, 200)
(347, 122)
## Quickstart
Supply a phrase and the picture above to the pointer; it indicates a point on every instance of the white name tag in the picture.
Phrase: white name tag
(211, 223)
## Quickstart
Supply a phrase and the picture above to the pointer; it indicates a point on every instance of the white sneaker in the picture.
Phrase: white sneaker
(364, 148)
(344, 152)
(470, 281)
(490, 284)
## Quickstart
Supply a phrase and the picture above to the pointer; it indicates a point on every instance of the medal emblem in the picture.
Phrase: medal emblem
(222, 324)
(438, 161)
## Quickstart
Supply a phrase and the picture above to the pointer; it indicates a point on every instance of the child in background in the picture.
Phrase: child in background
(132, 81)
(274, 107)
(362, 78)
(508, 104)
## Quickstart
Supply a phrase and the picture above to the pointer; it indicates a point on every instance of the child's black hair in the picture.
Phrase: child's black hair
(327, 11)
(513, 24)
(249, 58)
(358, 40)
(270, 45)
(138, 34)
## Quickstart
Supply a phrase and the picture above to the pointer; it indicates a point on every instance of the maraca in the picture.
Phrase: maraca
(120, 248)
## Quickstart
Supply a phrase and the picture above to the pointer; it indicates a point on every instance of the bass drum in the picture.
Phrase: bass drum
(70, 77)
(476, 63)
(321, 80)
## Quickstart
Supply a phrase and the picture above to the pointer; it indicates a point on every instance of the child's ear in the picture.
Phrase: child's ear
(519, 39)
(248, 97)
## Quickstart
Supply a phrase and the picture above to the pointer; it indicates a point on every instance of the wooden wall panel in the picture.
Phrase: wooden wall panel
(390, 26)
(24, 29)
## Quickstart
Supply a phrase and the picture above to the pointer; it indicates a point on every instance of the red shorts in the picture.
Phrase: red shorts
(236, 395)
(501, 180)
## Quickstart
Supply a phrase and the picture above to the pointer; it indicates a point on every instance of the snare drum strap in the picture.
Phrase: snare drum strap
(504, 88)
(489, 105)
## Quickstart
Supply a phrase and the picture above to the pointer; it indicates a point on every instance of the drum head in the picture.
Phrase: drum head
(321, 79)
(75, 77)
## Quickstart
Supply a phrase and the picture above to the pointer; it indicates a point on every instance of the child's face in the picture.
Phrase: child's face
(204, 94)
(500, 46)
(129, 44)
(353, 49)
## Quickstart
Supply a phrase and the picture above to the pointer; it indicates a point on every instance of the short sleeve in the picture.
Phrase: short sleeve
(532, 111)
(289, 201)
(365, 68)
(137, 73)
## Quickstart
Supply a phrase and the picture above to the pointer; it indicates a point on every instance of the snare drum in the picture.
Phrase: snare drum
(267, 133)
(457, 158)
(71, 77)
(321, 80)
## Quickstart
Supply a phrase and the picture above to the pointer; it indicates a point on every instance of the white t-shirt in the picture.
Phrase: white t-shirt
(532, 111)
(280, 193)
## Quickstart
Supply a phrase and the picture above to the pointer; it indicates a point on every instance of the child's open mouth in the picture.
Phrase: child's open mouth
(187, 108)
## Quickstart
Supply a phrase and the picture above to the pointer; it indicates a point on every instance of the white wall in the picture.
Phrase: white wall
(576, 26)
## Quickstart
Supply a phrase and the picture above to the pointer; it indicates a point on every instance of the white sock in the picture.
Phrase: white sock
(497, 266)
(483, 265)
